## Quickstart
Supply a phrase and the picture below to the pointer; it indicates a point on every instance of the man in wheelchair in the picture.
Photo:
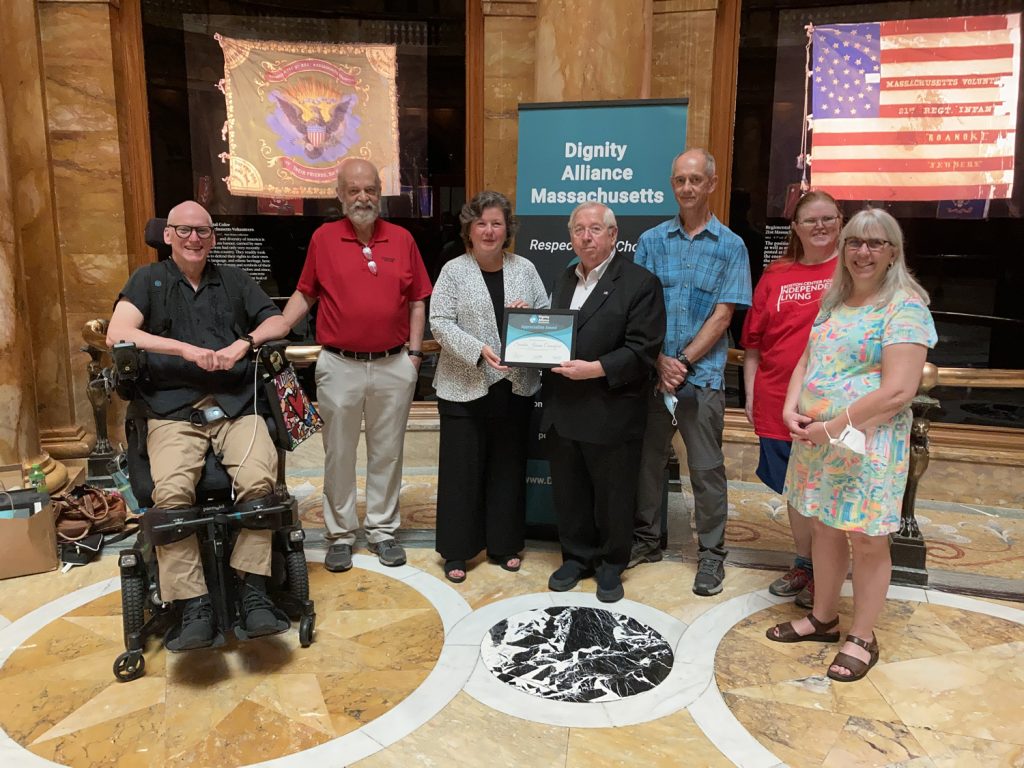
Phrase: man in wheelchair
(198, 323)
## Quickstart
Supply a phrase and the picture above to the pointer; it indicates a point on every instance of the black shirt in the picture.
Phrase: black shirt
(227, 304)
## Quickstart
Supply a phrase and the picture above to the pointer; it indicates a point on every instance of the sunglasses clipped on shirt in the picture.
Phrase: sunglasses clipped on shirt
(370, 263)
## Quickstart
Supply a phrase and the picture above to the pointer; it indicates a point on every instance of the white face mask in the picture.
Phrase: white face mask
(671, 401)
(852, 439)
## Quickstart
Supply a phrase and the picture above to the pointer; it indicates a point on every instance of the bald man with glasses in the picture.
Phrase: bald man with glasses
(198, 323)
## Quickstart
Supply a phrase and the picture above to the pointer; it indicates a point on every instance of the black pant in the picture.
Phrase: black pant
(481, 475)
(595, 497)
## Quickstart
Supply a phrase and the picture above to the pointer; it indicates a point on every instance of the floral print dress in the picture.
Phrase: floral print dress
(830, 482)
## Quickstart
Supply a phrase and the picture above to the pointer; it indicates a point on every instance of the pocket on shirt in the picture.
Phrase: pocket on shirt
(709, 277)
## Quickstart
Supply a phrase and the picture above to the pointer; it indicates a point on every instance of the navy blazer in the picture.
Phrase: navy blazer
(622, 324)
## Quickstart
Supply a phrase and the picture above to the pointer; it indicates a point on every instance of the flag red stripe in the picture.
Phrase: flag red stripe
(950, 81)
(883, 165)
(976, 109)
(951, 192)
(952, 53)
(911, 138)
(958, 24)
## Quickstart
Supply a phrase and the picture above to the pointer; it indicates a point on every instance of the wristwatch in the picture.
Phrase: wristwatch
(415, 353)
(248, 339)
(682, 358)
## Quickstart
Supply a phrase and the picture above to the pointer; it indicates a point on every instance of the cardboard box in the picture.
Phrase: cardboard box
(27, 544)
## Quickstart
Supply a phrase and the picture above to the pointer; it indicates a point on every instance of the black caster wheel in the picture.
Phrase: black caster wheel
(130, 665)
(307, 624)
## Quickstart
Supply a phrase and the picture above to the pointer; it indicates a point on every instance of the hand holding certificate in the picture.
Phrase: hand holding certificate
(538, 338)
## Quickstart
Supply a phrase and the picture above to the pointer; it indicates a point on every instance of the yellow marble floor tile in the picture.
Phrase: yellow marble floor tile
(670, 741)
(350, 624)
(249, 734)
(978, 693)
(869, 743)
(468, 733)
(799, 736)
(131, 742)
(297, 697)
(977, 630)
(822, 694)
(41, 699)
(949, 751)
(113, 703)
(26, 593)
(58, 642)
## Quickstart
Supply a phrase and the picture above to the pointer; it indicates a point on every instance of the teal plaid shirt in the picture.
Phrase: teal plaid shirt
(697, 273)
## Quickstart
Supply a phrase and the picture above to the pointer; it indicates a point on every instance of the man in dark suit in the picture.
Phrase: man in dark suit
(594, 405)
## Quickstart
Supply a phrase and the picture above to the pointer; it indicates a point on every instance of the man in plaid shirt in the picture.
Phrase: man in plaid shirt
(705, 271)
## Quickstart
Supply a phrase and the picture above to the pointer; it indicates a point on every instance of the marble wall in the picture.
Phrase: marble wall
(33, 209)
(534, 51)
(76, 41)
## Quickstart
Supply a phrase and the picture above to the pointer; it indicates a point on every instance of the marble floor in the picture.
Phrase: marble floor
(408, 669)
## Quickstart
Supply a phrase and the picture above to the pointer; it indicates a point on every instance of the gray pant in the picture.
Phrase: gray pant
(701, 418)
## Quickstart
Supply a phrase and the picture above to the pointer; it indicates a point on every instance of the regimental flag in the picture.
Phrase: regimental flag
(921, 109)
(295, 111)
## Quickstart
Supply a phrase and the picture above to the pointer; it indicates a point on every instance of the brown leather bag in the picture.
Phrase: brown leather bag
(86, 509)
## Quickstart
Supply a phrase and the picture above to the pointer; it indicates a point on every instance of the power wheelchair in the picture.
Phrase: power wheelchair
(214, 519)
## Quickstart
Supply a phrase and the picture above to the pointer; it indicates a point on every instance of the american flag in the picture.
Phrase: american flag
(920, 109)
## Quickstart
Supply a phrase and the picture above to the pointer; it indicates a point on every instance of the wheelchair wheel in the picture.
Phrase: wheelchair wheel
(298, 576)
(134, 592)
(307, 625)
(130, 665)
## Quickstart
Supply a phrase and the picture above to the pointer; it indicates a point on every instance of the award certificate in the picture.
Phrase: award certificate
(538, 338)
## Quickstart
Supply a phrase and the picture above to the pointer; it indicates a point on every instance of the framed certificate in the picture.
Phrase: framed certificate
(538, 338)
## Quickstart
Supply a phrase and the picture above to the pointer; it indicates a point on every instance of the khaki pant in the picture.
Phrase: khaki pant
(349, 391)
(177, 453)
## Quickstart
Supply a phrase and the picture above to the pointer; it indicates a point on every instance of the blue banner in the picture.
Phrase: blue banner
(616, 153)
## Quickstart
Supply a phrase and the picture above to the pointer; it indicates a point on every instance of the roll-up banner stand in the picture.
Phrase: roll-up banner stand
(614, 152)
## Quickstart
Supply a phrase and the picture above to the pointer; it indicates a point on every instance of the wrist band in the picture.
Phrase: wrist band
(415, 353)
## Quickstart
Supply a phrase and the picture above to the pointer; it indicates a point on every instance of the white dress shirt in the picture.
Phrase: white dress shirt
(586, 284)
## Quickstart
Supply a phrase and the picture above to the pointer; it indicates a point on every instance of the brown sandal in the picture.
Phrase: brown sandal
(857, 667)
(784, 633)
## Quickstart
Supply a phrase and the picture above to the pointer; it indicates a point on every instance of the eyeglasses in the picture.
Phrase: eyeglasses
(185, 232)
(874, 244)
(370, 263)
(824, 221)
(594, 229)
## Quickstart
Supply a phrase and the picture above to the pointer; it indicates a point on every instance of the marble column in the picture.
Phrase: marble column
(78, 52)
(34, 223)
(589, 50)
(19, 435)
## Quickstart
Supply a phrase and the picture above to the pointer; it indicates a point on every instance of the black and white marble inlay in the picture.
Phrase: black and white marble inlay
(576, 654)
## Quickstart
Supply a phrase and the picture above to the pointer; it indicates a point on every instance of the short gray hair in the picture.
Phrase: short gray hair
(609, 215)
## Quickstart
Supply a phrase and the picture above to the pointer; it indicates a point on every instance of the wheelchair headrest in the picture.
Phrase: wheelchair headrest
(155, 237)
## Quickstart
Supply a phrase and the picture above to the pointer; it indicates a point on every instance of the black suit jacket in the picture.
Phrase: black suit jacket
(622, 324)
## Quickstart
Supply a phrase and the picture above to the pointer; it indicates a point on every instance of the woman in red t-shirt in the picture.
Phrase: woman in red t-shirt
(775, 334)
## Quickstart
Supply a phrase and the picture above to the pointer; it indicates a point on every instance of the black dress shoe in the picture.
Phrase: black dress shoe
(609, 585)
(568, 576)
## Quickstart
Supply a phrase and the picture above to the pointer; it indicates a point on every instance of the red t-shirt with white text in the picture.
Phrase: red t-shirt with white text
(786, 301)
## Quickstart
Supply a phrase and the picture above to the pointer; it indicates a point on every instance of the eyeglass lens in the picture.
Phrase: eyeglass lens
(184, 231)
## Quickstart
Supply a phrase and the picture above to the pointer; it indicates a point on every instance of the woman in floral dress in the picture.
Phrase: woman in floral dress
(861, 369)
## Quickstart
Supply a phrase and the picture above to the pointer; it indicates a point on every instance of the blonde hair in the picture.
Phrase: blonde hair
(865, 225)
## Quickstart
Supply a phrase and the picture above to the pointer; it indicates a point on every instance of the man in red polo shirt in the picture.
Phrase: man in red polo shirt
(370, 281)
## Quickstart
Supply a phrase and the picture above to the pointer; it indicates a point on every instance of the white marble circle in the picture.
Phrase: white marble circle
(576, 654)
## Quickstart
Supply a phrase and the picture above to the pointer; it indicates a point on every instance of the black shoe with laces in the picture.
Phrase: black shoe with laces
(197, 630)
(710, 573)
(259, 616)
